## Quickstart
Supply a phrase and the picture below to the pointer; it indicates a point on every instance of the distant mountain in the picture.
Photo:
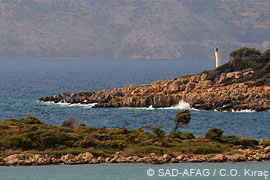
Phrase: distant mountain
(131, 29)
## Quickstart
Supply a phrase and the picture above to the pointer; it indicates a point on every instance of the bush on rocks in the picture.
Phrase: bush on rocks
(214, 134)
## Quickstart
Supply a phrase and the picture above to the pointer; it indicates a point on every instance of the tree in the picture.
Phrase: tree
(181, 119)
(159, 133)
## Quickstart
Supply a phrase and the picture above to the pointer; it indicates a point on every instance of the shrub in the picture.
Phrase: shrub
(86, 142)
(175, 134)
(187, 135)
(245, 52)
(159, 133)
(214, 134)
(248, 142)
(231, 139)
(118, 144)
(32, 120)
(206, 150)
(117, 131)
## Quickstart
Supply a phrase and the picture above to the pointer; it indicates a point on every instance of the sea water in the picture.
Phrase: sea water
(190, 171)
(22, 82)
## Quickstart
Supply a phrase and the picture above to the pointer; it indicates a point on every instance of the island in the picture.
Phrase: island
(28, 141)
(241, 84)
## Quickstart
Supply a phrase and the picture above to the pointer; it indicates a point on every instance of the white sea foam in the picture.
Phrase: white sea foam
(245, 110)
(181, 105)
(71, 105)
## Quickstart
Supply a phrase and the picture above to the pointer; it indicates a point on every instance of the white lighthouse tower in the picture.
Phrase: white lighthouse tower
(217, 53)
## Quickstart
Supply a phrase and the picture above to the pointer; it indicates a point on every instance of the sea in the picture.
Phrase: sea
(23, 81)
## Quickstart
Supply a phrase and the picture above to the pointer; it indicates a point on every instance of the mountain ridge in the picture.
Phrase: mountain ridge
(169, 29)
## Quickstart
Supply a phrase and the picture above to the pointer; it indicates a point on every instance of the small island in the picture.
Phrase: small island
(241, 84)
(28, 141)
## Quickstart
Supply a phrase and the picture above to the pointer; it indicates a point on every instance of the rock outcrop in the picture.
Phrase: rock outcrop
(198, 91)
(227, 88)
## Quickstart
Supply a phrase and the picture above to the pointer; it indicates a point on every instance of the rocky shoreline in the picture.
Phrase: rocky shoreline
(241, 84)
(197, 90)
(27, 159)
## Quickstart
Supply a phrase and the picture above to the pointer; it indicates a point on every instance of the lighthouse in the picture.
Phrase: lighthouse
(217, 53)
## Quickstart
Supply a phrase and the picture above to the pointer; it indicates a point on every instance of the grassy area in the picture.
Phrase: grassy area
(29, 134)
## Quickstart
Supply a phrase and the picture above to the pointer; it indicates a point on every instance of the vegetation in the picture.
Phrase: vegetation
(214, 134)
(245, 60)
(29, 134)
(181, 119)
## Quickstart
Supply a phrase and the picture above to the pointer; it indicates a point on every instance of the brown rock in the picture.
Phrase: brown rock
(166, 157)
(219, 158)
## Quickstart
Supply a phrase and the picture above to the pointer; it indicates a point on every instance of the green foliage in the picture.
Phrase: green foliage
(245, 52)
(248, 142)
(19, 134)
(182, 136)
(187, 135)
(206, 150)
(175, 134)
(230, 139)
(117, 131)
(181, 119)
(116, 144)
(149, 149)
(32, 120)
(245, 59)
(159, 133)
(214, 134)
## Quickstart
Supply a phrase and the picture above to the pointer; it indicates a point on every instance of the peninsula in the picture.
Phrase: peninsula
(241, 84)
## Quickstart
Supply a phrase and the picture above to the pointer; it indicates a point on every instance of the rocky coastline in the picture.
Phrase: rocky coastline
(27, 159)
(240, 84)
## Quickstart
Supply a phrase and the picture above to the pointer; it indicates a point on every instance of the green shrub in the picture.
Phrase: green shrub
(32, 120)
(117, 144)
(86, 142)
(230, 139)
(205, 150)
(117, 131)
(245, 52)
(214, 134)
(248, 142)
(187, 135)
(175, 134)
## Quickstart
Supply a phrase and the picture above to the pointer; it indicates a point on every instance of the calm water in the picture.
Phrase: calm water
(135, 172)
(23, 82)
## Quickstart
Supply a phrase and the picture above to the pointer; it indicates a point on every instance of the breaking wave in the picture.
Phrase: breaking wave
(71, 105)
(181, 105)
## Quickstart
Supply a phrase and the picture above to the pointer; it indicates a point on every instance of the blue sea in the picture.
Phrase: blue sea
(22, 82)
(201, 171)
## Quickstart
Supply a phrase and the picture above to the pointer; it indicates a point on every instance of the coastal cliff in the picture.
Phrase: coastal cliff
(241, 84)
